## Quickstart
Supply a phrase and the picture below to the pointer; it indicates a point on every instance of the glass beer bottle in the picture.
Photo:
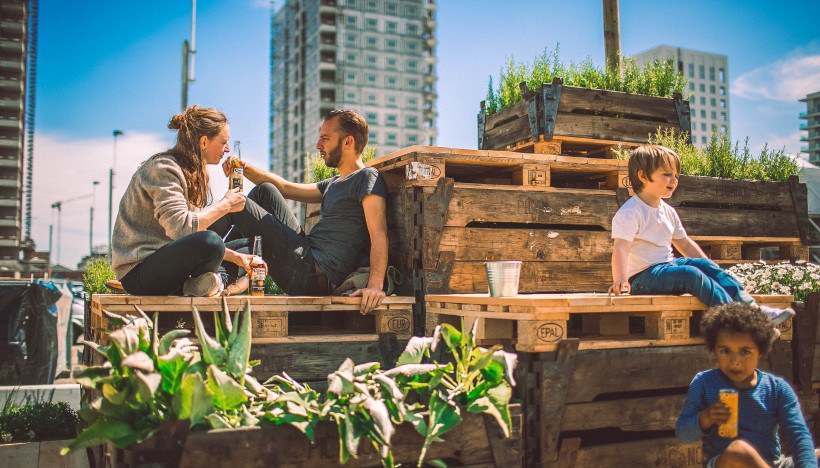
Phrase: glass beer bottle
(237, 175)
(258, 269)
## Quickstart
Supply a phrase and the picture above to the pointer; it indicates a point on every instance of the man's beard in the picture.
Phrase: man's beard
(335, 156)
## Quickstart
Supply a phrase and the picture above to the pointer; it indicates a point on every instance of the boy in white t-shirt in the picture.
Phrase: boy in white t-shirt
(644, 230)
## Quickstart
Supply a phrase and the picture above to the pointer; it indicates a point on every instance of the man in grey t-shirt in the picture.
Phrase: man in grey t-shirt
(352, 231)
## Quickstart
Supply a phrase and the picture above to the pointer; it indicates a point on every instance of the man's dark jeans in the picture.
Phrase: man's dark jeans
(285, 247)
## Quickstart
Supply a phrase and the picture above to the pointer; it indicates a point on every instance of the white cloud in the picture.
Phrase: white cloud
(783, 80)
(790, 142)
(64, 168)
(266, 4)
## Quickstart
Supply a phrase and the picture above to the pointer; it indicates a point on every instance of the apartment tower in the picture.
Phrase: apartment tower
(377, 57)
(708, 76)
(812, 127)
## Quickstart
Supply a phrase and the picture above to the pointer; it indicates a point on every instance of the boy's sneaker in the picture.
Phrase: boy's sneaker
(777, 316)
(204, 285)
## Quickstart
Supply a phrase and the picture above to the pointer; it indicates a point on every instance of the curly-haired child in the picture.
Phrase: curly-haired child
(739, 334)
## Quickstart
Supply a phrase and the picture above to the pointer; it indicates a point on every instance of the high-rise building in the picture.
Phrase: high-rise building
(708, 76)
(14, 47)
(812, 127)
(377, 57)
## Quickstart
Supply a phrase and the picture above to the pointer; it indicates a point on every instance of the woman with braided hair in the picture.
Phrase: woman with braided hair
(161, 243)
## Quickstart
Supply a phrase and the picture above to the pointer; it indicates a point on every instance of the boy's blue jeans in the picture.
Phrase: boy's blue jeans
(699, 277)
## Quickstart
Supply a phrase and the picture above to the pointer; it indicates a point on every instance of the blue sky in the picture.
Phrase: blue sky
(116, 65)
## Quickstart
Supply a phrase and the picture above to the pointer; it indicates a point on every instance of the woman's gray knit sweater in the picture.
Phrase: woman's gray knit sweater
(153, 212)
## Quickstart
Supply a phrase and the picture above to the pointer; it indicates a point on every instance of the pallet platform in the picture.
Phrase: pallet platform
(538, 322)
(733, 250)
(276, 319)
(572, 146)
(423, 166)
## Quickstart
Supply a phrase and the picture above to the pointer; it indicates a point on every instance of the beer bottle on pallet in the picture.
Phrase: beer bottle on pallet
(258, 269)
(237, 175)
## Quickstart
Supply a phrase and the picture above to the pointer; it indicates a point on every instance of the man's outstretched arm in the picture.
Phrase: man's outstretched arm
(375, 214)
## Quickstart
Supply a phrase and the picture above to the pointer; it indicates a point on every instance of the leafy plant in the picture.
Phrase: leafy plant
(272, 288)
(150, 380)
(96, 273)
(37, 421)
(316, 169)
(798, 279)
(657, 78)
(720, 158)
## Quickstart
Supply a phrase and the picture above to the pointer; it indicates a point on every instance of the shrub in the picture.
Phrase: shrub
(96, 274)
(719, 158)
(798, 279)
(316, 170)
(657, 78)
(38, 421)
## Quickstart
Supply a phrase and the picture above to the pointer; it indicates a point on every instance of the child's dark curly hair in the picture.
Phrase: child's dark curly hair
(740, 318)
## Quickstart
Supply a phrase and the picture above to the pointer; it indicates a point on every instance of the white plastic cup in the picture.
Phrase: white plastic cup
(502, 278)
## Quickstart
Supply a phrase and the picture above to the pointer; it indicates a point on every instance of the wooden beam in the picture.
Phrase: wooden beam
(612, 36)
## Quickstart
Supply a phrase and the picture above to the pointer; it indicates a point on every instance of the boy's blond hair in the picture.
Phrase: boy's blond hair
(648, 158)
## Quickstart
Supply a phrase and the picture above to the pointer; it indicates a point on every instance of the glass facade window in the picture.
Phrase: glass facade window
(412, 11)
(703, 140)
(391, 64)
(723, 129)
(372, 42)
(351, 21)
(712, 102)
(372, 5)
(371, 99)
(412, 29)
(392, 120)
(390, 8)
(391, 81)
(702, 101)
(412, 122)
(722, 75)
(371, 60)
(703, 127)
(701, 72)
(372, 24)
(412, 65)
(392, 27)
(712, 89)
(712, 73)
(691, 86)
(372, 118)
(412, 139)
(703, 113)
(371, 79)
(391, 139)
(723, 104)
(722, 91)
(391, 44)
(723, 116)
(391, 101)
(412, 83)
(714, 115)
(691, 70)
(702, 88)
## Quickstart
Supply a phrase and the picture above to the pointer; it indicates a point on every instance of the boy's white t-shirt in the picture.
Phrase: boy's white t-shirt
(650, 230)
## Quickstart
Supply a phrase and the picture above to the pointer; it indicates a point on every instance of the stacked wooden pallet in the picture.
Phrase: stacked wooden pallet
(307, 337)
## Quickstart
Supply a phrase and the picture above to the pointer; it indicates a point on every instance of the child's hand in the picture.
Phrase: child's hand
(619, 287)
(716, 413)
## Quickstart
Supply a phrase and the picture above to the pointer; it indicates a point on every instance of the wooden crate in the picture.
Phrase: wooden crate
(613, 407)
(539, 322)
(555, 111)
(476, 441)
(276, 319)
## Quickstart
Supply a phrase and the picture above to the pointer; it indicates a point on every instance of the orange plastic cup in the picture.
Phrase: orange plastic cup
(729, 428)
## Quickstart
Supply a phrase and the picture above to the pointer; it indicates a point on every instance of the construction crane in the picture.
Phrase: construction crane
(59, 206)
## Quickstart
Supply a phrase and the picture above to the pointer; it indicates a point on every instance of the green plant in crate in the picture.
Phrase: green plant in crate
(719, 158)
(656, 78)
(150, 380)
(316, 170)
(798, 279)
(96, 273)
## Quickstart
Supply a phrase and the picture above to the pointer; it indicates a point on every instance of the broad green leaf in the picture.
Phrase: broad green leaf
(452, 337)
(113, 395)
(444, 415)
(228, 394)
(155, 344)
(172, 366)
(193, 401)
(89, 377)
(220, 333)
(351, 440)
(240, 346)
(480, 357)
(248, 419)
(392, 390)
(140, 361)
(495, 403)
(365, 368)
(253, 385)
(381, 418)
(412, 370)
(342, 427)
(493, 373)
(147, 385)
(126, 339)
(168, 339)
(102, 431)
(341, 381)
(112, 411)
(417, 349)
(212, 352)
(508, 361)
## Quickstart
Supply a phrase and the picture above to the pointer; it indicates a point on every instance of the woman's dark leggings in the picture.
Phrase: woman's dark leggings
(164, 272)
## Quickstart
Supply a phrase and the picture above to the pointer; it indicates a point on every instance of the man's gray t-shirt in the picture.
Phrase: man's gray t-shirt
(340, 242)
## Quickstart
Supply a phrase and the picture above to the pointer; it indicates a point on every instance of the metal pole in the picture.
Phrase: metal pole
(116, 133)
(94, 185)
(184, 74)
(188, 52)
(50, 237)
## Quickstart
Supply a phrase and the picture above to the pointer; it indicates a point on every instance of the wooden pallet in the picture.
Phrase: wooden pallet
(733, 250)
(276, 319)
(538, 322)
(573, 146)
(613, 407)
(423, 166)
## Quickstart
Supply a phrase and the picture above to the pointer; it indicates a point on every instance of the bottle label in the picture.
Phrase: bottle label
(258, 275)
(237, 177)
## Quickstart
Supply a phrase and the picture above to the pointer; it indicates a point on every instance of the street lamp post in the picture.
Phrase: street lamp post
(111, 191)
(94, 185)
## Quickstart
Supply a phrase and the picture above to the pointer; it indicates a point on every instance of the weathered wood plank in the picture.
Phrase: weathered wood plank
(651, 452)
(470, 277)
(564, 207)
(632, 414)
(704, 191)
(555, 245)
(744, 223)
